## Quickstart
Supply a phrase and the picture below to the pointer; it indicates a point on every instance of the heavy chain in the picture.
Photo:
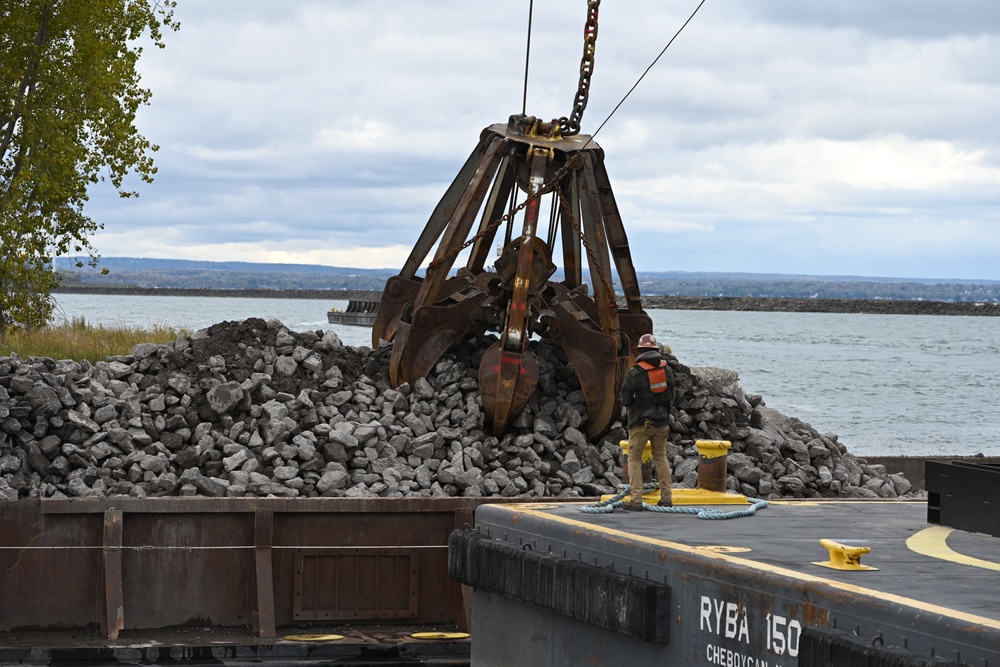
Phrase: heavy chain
(486, 230)
(571, 126)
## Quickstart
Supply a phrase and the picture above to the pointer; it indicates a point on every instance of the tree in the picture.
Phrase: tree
(69, 92)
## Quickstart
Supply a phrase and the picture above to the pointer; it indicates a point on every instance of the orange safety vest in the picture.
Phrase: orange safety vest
(657, 375)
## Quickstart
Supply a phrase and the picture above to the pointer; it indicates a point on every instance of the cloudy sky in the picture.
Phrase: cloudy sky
(808, 137)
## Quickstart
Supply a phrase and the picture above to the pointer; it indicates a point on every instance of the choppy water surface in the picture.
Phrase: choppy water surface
(886, 384)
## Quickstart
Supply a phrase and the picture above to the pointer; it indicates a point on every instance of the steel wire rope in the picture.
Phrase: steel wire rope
(527, 58)
(561, 172)
(643, 75)
(548, 186)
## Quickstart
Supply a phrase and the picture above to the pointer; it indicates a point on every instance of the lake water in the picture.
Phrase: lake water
(886, 384)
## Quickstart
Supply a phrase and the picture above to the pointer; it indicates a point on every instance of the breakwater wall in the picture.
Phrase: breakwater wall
(876, 307)
(332, 295)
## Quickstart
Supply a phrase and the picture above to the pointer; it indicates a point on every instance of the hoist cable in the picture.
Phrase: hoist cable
(679, 30)
(527, 58)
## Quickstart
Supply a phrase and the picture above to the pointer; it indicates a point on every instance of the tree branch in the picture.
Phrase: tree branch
(29, 79)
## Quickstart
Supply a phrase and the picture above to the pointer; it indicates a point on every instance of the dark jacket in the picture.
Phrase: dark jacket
(641, 402)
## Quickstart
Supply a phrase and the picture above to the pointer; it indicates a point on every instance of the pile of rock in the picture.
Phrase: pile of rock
(251, 408)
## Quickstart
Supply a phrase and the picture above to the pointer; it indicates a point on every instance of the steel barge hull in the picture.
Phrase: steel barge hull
(671, 589)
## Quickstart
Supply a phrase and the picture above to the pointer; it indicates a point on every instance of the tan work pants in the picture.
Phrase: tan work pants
(638, 436)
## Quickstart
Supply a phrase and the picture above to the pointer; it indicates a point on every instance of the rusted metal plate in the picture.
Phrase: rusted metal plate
(424, 530)
(113, 619)
(369, 584)
(187, 569)
(132, 565)
(45, 558)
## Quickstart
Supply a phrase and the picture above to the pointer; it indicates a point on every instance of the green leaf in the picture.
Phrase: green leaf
(69, 93)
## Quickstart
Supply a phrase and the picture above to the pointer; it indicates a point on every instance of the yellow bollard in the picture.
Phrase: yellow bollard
(713, 460)
(711, 470)
(647, 462)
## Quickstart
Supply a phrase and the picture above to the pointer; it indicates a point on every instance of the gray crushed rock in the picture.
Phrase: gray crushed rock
(253, 409)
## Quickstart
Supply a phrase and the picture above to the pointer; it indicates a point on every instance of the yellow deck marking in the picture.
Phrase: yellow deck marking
(682, 497)
(794, 503)
(742, 562)
(933, 542)
(440, 635)
(314, 638)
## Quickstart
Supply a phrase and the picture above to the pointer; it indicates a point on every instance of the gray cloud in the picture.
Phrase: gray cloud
(892, 18)
(804, 137)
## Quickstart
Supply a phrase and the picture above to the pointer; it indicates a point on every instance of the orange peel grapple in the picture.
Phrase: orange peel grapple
(520, 170)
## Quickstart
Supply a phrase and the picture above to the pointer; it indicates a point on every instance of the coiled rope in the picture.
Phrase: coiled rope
(608, 506)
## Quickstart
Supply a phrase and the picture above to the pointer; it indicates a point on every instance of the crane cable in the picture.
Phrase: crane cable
(639, 80)
(527, 59)
(571, 125)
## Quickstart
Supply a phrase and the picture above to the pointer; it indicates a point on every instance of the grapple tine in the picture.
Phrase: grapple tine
(506, 380)
(432, 329)
(598, 363)
(633, 326)
(398, 358)
(397, 293)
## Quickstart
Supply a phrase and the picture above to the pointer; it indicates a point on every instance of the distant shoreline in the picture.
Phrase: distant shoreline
(859, 306)
(336, 295)
(874, 307)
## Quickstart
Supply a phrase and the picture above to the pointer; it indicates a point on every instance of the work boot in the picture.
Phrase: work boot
(633, 505)
(665, 501)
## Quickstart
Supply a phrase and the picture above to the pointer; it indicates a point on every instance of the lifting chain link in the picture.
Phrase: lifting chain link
(489, 228)
(571, 126)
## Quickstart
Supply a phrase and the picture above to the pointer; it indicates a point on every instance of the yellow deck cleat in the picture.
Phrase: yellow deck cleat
(844, 557)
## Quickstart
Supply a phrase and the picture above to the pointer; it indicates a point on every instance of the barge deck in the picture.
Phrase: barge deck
(350, 581)
(671, 589)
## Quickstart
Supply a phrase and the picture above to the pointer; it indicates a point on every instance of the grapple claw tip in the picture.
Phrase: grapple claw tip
(507, 380)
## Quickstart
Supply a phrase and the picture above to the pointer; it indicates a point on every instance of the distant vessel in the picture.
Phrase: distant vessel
(359, 313)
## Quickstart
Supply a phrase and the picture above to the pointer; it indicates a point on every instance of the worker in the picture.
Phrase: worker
(648, 395)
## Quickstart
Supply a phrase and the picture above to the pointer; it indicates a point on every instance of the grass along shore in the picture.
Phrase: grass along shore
(81, 341)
